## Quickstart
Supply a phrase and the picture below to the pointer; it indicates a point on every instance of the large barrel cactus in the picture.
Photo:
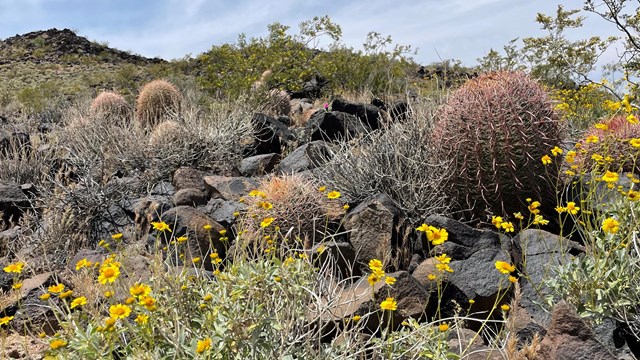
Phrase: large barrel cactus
(495, 129)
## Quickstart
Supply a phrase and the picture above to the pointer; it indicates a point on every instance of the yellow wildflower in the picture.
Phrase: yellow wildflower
(632, 119)
(572, 208)
(496, 221)
(443, 327)
(266, 222)
(507, 226)
(161, 226)
(57, 343)
(109, 274)
(505, 267)
(431, 277)
(333, 195)
(635, 142)
(15, 268)
(83, 263)
(610, 225)
(437, 236)
(119, 311)
(17, 286)
(79, 301)
(203, 345)
(610, 177)
(139, 290)
(389, 304)
(45, 296)
(533, 207)
(546, 160)
(390, 280)
(556, 151)
(117, 236)
(601, 126)
(5, 320)
(505, 307)
(142, 319)
(65, 294)
(592, 139)
(57, 288)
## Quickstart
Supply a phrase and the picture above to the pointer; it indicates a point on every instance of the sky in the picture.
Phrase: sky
(170, 29)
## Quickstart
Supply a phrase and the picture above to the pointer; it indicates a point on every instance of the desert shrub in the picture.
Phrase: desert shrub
(300, 207)
(495, 129)
(601, 283)
(111, 106)
(157, 100)
(583, 106)
(399, 160)
(233, 69)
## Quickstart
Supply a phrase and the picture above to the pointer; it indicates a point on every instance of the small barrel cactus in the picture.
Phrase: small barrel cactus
(611, 145)
(111, 106)
(158, 100)
(495, 129)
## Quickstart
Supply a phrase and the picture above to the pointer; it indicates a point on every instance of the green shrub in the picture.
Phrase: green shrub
(496, 128)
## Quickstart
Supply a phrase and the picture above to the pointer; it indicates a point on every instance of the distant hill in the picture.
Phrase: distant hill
(50, 66)
(55, 45)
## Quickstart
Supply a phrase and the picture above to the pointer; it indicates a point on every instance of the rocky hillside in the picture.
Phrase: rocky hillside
(63, 46)
(42, 69)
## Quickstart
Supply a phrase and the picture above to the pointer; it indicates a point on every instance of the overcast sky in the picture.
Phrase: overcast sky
(458, 29)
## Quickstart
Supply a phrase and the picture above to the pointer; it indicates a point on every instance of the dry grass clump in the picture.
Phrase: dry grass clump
(158, 100)
(166, 131)
(297, 206)
(111, 106)
(398, 160)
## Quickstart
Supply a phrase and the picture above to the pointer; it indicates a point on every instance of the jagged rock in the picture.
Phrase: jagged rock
(230, 188)
(367, 113)
(334, 126)
(187, 221)
(189, 178)
(222, 211)
(305, 157)
(569, 338)
(190, 197)
(259, 165)
(149, 209)
(541, 251)
(13, 202)
(339, 256)
(310, 89)
(163, 188)
(27, 308)
(378, 229)
(269, 135)
(470, 346)
(413, 300)
(474, 254)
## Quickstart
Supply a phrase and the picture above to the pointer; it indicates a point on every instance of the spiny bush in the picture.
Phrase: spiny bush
(398, 160)
(298, 206)
(166, 131)
(608, 145)
(111, 106)
(496, 128)
(157, 101)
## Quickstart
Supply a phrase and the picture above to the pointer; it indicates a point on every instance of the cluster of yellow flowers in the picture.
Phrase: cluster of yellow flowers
(435, 235)
(499, 223)
(507, 269)
(377, 273)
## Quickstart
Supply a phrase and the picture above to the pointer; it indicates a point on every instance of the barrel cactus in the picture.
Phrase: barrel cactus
(111, 106)
(609, 145)
(495, 129)
(158, 100)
